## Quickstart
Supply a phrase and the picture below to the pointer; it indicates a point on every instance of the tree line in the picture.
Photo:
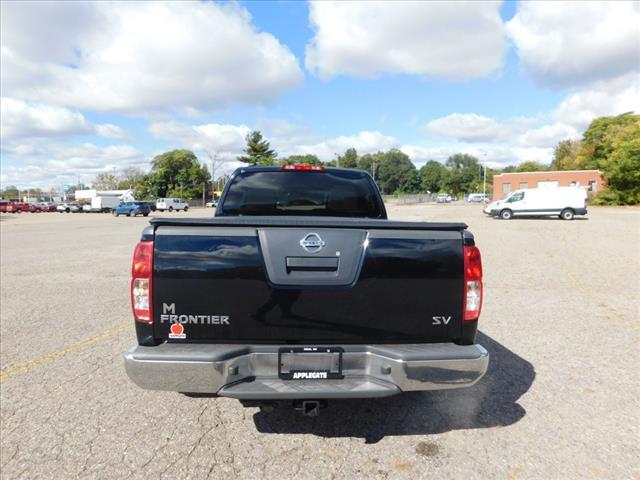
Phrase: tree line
(610, 144)
(393, 170)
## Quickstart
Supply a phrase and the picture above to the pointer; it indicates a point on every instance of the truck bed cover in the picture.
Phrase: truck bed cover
(298, 221)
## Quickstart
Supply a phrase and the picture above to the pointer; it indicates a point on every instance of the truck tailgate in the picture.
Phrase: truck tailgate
(307, 281)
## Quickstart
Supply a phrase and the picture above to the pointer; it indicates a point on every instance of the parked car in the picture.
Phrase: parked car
(212, 203)
(47, 206)
(152, 205)
(34, 208)
(69, 208)
(344, 303)
(477, 197)
(171, 204)
(19, 207)
(132, 209)
(4, 204)
(443, 198)
(564, 202)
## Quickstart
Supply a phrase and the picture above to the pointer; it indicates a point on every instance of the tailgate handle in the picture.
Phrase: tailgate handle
(312, 264)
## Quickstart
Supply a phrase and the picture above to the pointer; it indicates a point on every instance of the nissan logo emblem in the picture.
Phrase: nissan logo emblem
(312, 242)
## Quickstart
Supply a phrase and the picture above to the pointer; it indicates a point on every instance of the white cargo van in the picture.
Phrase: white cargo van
(171, 204)
(565, 202)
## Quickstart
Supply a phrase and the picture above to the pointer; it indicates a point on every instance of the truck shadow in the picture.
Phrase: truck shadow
(492, 402)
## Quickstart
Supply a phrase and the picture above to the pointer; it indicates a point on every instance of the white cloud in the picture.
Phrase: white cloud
(223, 139)
(364, 142)
(108, 130)
(141, 57)
(547, 135)
(454, 40)
(495, 156)
(606, 98)
(285, 133)
(286, 138)
(50, 165)
(20, 120)
(467, 127)
(569, 44)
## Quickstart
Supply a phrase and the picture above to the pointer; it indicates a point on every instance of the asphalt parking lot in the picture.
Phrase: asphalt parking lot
(561, 398)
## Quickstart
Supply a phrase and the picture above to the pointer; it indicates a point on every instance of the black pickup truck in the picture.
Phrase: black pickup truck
(300, 290)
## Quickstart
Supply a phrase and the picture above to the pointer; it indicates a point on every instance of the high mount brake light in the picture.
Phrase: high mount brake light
(302, 168)
(141, 277)
(472, 283)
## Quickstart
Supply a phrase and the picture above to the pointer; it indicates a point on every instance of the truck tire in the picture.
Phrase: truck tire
(115, 213)
(506, 214)
(171, 209)
(186, 208)
(567, 214)
(68, 210)
(129, 213)
(145, 214)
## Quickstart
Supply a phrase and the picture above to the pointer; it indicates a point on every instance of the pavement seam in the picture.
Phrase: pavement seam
(57, 355)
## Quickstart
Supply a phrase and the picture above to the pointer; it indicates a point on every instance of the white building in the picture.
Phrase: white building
(124, 195)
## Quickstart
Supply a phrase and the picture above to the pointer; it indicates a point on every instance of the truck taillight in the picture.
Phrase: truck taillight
(141, 273)
(472, 283)
(302, 168)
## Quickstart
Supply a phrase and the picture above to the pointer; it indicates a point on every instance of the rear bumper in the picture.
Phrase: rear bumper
(250, 372)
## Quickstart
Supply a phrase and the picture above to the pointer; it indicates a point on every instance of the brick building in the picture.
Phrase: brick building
(506, 183)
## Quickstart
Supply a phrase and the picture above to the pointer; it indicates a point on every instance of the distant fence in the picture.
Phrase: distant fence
(408, 199)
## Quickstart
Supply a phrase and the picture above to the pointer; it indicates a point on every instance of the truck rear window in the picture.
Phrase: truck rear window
(329, 193)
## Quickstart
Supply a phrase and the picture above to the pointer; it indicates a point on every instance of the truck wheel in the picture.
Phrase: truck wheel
(115, 214)
(129, 213)
(171, 209)
(68, 210)
(186, 208)
(567, 214)
(145, 214)
(506, 214)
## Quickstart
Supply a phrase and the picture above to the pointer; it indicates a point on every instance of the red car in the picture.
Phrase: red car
(19, 207)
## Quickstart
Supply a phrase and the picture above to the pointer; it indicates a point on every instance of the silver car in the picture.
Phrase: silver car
(68, 208)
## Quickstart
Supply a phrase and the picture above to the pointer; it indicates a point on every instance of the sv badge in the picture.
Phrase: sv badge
(441, 320)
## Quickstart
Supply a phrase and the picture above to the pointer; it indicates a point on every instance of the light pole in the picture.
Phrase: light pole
(484, 177)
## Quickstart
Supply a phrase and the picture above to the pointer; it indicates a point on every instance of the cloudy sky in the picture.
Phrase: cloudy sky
(89, 87)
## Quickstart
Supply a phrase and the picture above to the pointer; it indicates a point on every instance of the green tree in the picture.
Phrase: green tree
(10, 192)
(395, 170)
(308, 159)
(412, 183)
(349, 159)
(463, 173)
(531, 166)
(433, 174)
(177, 174)
(105, 181)
(612, 145)
(565, 155)
(131, 177)
(371, 163)
(258, 151)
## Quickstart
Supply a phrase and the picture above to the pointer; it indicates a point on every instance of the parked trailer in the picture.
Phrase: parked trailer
(102, 204)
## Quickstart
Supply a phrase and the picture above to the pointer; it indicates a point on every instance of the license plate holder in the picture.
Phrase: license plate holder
(310, 363)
